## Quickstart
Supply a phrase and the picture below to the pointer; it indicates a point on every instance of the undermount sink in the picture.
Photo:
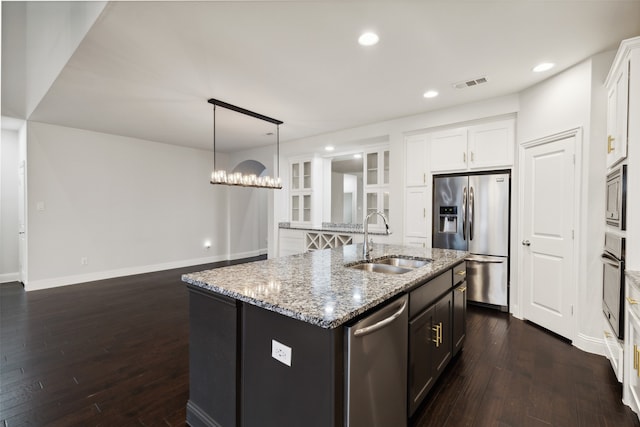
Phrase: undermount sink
(404, 262)
(391, 264)
(381, 268)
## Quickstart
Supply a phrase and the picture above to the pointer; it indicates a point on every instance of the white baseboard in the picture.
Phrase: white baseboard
(249, 254)
(590, 344)
(35, 285)
(9, 277)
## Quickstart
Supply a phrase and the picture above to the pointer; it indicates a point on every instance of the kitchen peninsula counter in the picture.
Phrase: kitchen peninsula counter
(317, 287)
(267, 338)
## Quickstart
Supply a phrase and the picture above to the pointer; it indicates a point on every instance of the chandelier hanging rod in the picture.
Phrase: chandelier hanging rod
(244, 111)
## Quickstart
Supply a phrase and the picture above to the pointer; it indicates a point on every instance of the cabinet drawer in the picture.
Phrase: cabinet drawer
(429, 292)
(459, 273)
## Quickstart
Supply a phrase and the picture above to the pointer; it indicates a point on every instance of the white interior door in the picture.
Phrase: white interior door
(22, 229)
(547, 234)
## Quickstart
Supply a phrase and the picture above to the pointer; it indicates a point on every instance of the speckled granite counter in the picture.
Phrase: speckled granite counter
(316, 287)
(633, 277)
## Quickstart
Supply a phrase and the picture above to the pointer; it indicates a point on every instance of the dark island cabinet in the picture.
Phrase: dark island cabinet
(459, 326)
(437, 328)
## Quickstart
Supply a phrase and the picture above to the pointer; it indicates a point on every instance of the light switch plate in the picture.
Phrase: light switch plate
(281, 352)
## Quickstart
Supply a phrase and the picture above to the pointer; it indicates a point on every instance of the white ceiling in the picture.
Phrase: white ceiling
(146, 69)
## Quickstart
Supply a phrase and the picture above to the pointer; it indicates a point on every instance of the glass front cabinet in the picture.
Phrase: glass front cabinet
(376, 169)
(302, 189)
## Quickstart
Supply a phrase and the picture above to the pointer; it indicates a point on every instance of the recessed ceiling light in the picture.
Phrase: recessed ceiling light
(430, 94)
(545, 66)
(357, 156)
(368, 39)
(329, 148)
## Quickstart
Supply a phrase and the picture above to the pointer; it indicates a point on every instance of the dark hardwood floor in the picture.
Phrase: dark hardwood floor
(115, 353)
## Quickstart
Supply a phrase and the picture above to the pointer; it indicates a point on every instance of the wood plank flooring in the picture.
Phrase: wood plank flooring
(115, 353)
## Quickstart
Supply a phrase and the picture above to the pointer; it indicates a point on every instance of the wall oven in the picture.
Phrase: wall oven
(613, 282)
(616, 197)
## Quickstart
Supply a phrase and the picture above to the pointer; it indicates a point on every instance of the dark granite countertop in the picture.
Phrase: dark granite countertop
(316, 287)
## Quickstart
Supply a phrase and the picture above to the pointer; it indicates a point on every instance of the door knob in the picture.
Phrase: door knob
(526, 243)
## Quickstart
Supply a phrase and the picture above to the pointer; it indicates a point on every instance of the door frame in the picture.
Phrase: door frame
(578, 231)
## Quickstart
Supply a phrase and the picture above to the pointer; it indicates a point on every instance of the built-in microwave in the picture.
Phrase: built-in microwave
(616, 197)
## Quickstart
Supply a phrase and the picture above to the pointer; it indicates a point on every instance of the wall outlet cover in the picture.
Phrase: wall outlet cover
(281, 352)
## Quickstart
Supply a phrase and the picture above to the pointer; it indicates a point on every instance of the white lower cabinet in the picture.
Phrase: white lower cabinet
(291, 242)
(631, 384)
(614, 349)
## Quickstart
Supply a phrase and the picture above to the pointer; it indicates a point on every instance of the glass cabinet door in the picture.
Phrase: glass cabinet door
(295, 176)
(372, 168)
(385, 178)
(295, 208)
(372, 206)
(306, 166)
(306, 208)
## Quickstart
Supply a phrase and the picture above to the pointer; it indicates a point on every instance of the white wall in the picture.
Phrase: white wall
(9, 158)
(576, 98)
(127, 205)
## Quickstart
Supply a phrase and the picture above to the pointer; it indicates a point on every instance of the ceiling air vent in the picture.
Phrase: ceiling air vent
(469, 83)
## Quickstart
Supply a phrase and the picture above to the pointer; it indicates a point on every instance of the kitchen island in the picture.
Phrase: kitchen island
(267, 338)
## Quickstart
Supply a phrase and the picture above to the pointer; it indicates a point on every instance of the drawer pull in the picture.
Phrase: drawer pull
(631, 301)
(462, 273)
(462, 288)
(635, 357)
(607, 334)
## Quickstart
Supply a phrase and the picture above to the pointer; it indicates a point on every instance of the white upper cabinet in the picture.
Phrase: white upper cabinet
(491, 145)
(479, 147)
(417, 221)
(617, 112)
(448, 150)
(416, 161)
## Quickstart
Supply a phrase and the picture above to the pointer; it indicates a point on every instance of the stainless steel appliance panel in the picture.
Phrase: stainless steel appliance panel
(613, 282)
(376, 365)
(616, 198)
(488, 211)
(487, 280)
(449, 212)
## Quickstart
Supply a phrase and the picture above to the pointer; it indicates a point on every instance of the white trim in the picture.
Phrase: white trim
(55, 282)
(10, 277)
(590, 344)
(577, 224)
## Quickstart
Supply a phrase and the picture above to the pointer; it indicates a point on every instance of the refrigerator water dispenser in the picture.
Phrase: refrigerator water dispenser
(448, 219)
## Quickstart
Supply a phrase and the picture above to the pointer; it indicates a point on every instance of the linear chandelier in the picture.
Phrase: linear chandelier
(221, 177)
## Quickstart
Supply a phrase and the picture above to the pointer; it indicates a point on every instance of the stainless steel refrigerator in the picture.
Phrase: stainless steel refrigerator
(471, 213)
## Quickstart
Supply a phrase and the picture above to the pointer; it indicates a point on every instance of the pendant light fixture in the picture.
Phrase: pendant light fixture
(221, 177)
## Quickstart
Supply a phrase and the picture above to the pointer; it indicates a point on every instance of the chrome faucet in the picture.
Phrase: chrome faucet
(365, 246)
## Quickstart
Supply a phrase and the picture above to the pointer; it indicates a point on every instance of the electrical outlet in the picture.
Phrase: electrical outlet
(84, 260)
(281, 352)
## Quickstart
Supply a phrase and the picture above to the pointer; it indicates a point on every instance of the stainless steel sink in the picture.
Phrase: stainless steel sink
(380, 268)
(405, 262)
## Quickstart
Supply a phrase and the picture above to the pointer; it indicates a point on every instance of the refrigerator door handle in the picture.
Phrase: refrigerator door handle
(464, 213)
(471, 212)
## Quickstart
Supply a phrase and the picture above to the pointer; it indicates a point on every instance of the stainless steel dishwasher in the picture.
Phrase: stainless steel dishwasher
(376, 365)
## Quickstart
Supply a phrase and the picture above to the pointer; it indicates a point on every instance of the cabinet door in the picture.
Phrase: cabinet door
(416, 168)
(421, 366)
(448, 150)
(442, 331)
(633, 363)
(417, 212)
(491, 145)
(459, 326)
(617, 116)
